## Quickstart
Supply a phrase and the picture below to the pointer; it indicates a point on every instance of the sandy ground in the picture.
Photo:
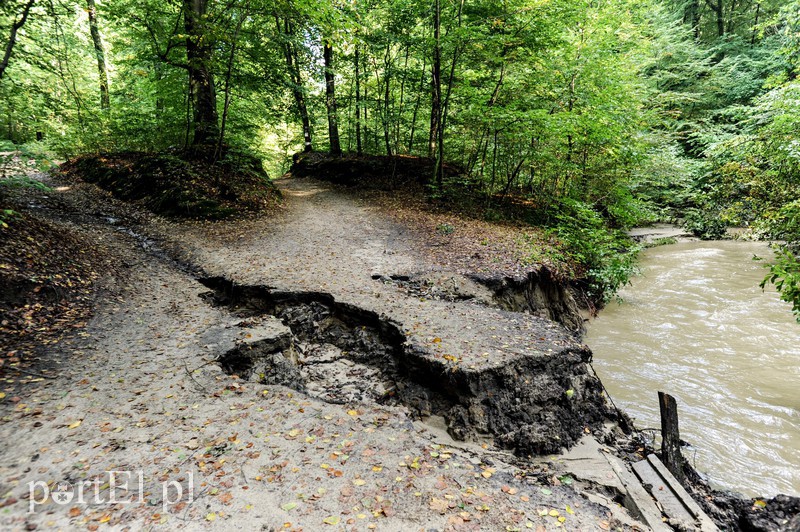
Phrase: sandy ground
(194, 448)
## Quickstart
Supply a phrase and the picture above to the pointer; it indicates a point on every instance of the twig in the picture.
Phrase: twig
(189, 373)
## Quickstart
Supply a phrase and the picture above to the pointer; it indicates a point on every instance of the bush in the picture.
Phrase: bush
(606, 256)
(707, 224)
(784, 273)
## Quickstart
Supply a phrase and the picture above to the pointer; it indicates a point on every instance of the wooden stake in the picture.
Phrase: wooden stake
(670, 436)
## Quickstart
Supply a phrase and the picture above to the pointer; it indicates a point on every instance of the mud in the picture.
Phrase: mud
(341, 353)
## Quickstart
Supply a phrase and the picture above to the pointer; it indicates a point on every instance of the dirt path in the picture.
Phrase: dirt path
(329, 242)
(196, 448)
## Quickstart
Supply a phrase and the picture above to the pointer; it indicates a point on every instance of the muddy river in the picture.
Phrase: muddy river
(696, 325)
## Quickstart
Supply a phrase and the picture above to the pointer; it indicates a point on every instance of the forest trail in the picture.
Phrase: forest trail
(141, 393)
(330, 241)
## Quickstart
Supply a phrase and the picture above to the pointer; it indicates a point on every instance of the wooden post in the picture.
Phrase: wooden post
(670, 436)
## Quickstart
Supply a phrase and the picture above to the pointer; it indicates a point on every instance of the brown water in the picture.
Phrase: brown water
(696, 325)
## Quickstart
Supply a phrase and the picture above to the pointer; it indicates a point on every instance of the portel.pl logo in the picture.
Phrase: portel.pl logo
(113, 487)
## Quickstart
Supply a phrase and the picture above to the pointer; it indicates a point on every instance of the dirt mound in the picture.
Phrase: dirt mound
(380, 172)
(179, 185)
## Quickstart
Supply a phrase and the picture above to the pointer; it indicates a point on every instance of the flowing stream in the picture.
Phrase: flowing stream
(696, 325)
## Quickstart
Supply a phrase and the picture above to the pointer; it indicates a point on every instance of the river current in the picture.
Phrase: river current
(695, 324)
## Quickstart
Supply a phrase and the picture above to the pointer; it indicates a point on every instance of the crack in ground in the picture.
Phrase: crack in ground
(340, 353)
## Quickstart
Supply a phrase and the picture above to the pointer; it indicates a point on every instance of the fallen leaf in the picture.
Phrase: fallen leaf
(75, 425)
(332, 520)
(439, 505)
(288, 506)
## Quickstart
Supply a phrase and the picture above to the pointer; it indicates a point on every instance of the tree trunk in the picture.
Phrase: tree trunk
(227, 91)
(451, 77)
(292, 65)
(12, 40)
(719, 11)
(199, 50)
(386, 93)
(330, 100)
(417, 106)
(401, 105)
(435, 141)
(731, 17)
(359, 149)
(100, 53)
(755, 24)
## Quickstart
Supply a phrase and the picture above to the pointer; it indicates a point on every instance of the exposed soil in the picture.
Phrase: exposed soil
(308, 389)
(179, 184)
(554, 399)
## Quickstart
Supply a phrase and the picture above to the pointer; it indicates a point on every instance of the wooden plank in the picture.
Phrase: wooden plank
(662, 492)
(706, 524)
(638, 497)
(670, 435)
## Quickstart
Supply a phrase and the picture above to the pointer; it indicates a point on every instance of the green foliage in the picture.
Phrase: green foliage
(662, 241)
(705, 224)
(6, 215)
(784, 273)
(22, 181)
(445, 229)
(607, 257)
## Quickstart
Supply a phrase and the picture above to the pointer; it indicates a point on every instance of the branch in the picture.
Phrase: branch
(13, 38)
(163, 56)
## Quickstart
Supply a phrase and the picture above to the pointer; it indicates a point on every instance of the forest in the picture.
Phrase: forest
(599, 115)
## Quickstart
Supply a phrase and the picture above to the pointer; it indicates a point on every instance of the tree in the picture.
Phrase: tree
(12, 39)
(199, 54)
(287, 36)
(100, 52)
(435, 138)
(718, 9)
(330, 99)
